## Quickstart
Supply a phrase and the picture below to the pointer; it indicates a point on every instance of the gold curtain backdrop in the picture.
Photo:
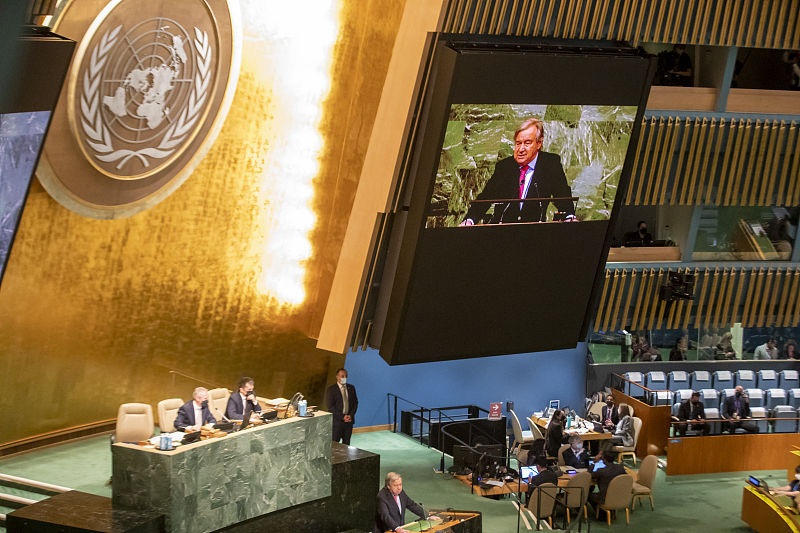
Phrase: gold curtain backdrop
(94, 313)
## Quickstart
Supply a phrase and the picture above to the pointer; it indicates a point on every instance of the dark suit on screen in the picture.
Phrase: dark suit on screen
(235, 408)
(389, 516)
(186, 416)
(548, 181)
(333, 398)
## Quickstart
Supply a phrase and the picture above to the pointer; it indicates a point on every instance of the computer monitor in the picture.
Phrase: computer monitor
(248, 410)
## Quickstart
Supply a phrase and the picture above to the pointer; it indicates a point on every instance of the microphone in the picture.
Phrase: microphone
(221, 414)
(424, 517)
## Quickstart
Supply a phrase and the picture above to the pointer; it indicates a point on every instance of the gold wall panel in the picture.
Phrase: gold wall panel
(746, 23)
(94, 313)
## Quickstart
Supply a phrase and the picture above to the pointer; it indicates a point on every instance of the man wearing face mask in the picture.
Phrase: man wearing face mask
(238, 400)
(195, 414)
(737, 410)
(575, 456)
(342, 403)
(693, 410)
(609, 415)
(640, 237)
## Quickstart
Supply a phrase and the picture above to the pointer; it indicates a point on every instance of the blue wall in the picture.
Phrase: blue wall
(530, 380)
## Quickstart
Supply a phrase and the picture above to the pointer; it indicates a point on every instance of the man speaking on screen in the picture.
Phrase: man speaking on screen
(530, 175)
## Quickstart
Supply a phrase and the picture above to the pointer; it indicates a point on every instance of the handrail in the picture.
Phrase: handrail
(441, 415)
(193, 378)
(29, 484)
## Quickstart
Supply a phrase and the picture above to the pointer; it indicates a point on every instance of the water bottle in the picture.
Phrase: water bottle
(302, 407)
(166, 442)
(569, 421)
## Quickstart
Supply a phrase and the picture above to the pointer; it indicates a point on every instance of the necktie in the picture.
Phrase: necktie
(522, 171)
(397, 499)
(345, 406)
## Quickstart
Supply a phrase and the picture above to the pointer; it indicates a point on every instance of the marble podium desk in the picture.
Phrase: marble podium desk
(211, 484)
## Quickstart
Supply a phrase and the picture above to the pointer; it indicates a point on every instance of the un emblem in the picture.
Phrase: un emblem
(146, 95)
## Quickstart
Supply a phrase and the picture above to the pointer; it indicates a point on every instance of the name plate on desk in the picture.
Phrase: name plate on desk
(215, 483)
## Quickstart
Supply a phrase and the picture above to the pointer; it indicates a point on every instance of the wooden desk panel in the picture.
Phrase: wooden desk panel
(453, 521)
(728, 453)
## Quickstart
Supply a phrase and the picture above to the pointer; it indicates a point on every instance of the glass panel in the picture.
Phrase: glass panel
(745, 234)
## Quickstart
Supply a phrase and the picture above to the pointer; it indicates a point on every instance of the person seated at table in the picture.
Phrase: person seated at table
(237, 401)
(623, 432)
(555, 433)
(693, 410)
(725, 347)
(601, 477)
(528, 456)
(195, 413)
(792, 489)
(545, 475)
(609, 414)
(575, 456)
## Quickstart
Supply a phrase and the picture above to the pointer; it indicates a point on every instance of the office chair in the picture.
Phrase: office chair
(618, 497)
(625, 451)
(134, 422)
(167, 413)
(645, 479)
(542, 503)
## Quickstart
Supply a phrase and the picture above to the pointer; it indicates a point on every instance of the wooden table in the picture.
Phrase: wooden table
(584, 434)
(766, 514)
(508, 487)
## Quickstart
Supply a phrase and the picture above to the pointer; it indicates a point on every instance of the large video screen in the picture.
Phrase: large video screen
(21, 138)
(517, 162)
(582, 149)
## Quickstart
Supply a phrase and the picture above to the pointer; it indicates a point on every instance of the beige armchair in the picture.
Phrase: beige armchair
(167, 413)
(618, 497)
(134, 422)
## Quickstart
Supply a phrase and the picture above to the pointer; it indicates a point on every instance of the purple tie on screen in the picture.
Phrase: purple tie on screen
(522, 171)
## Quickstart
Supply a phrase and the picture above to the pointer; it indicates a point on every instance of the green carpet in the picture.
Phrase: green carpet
(701, 503)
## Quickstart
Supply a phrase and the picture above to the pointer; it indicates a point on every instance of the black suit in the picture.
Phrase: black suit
(333, 398)
(548, 181)
(555, 438)
(388, 515)
(235, 408)
(690, 411)
(581, 461)
(602, 478)
(186, 416)
(614, 414)
(741, 406)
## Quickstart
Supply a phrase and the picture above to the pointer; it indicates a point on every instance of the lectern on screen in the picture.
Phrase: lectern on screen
(34, 64)
(487, 258)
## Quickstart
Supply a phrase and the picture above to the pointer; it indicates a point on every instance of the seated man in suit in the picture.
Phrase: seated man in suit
(609, 415)
(194, 414)
(236, 403)
(545, 475)
(737, 409)
(603, 476)
(575, 456)
(529, 174)
(692, 409)
(392, 504)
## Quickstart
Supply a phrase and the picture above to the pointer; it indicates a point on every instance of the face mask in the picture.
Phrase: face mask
(643, 230)
(204, 404)
(738, 394)
(343, 381)
(610, 404)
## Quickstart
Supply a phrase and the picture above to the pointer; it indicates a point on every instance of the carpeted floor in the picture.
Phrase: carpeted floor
(707, 503)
